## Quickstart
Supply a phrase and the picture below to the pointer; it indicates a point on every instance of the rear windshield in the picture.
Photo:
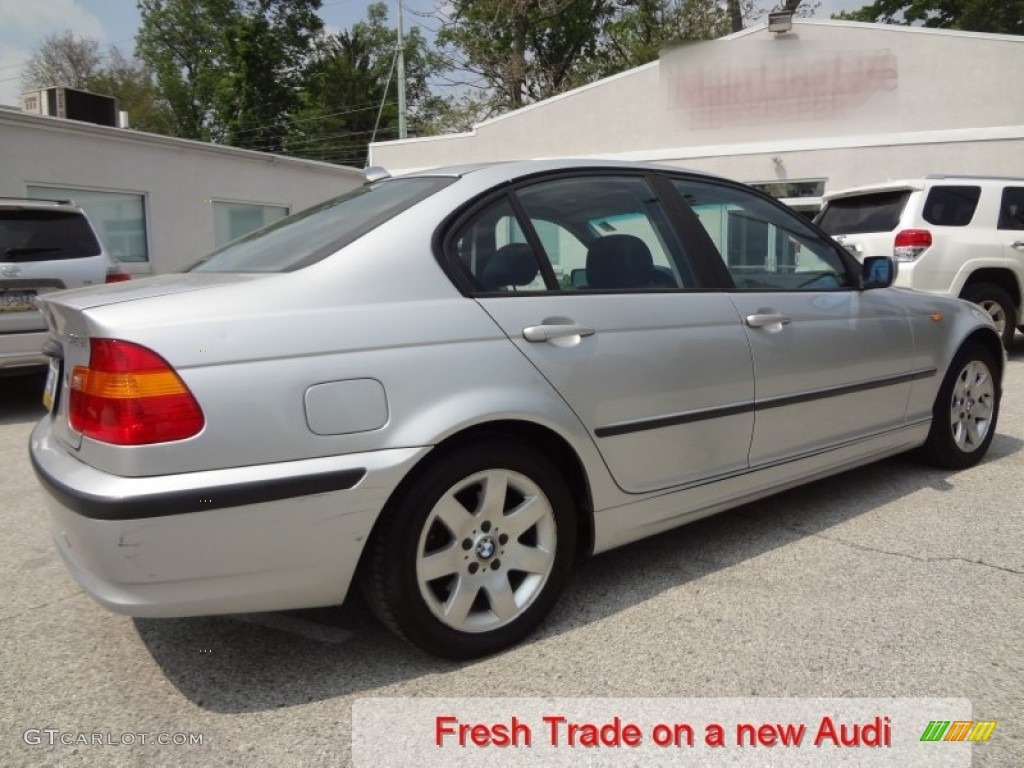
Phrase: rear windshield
(877, 212)
(40, 235)
(307, 237)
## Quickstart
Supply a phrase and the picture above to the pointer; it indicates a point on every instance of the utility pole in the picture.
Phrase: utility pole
(401, 75)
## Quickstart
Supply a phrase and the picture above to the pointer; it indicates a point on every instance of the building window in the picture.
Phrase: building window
(118, 217)
(788, 189)
(232, 220)
(802, 195)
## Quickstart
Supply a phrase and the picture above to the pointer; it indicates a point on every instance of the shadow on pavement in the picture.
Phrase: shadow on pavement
(21, 400)
(336, 652)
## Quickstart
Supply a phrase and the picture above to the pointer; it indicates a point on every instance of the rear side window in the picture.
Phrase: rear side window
(877, 212)
(951, 206)
(311, 235)
(1011, 209)
(41, 235)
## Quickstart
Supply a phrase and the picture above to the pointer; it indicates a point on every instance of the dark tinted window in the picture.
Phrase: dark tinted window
(308, 236)
(45, 235)
(1011, 209)
(951, 206)
(877, 212)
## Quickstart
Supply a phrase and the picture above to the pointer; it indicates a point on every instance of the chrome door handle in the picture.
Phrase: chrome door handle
(549, 332)
(1017, 244)
(761, 321)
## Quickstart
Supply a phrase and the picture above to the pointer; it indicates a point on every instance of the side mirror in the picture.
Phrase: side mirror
(878, 272)
(578, 278)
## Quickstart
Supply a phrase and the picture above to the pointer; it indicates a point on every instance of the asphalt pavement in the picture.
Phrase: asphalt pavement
(894, 580)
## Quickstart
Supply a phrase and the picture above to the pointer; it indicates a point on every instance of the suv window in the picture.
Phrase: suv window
(765, 248)
(948, 206)
(40, 235)
(1011, 209)
(875, 212)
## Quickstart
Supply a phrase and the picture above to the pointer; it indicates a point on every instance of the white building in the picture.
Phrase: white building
(158, 203)
(827, 105)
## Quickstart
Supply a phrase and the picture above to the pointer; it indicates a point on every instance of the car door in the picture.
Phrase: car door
(589, 281)
(832, 363)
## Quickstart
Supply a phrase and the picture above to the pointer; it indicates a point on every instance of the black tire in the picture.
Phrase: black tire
(966, 410)
(998, 304)
(475, 565)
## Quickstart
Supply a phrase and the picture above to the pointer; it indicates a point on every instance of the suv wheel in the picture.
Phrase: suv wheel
(999, 306)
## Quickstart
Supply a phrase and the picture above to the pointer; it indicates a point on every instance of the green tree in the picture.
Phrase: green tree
(643, 27)
(520, 51)
(182, 42)
(1002, 16)
(62, 59)
(76, 62)
(228, 68)
(350, 91)
(132, 84)
(268, 46)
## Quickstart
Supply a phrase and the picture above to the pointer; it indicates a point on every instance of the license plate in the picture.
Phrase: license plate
(17, 301)
(52, 385)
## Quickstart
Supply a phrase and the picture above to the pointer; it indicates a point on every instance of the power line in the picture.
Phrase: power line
(366, 107)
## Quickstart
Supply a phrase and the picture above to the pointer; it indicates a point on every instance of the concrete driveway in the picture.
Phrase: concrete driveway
(895, 580)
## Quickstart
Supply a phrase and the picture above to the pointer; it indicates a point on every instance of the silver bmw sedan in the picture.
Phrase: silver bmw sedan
(449, 386)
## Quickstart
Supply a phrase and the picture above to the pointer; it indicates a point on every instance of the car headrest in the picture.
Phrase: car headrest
(619, 261)
(511, 265)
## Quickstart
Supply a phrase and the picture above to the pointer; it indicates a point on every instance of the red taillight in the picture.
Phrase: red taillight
(911, 243)
(129, 395)
(116, 276)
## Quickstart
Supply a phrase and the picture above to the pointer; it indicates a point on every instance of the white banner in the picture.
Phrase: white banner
(931, 733)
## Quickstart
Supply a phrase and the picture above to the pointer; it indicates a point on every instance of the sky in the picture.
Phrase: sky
(24, 23)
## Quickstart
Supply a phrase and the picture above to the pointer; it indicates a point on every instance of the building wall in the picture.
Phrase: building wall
(851, 103)
(178, 179)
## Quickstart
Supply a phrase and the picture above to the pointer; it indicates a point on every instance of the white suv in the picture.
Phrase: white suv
(45, 246)
(956, 235)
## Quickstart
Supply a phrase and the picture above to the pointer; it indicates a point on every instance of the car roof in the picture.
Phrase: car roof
(914, 185)
(32, 203)
(503, 171)
(898, 185)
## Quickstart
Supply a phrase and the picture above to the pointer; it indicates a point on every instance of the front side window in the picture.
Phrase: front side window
(584, 233)
(951, 206)
(313, 234)
(119, 218)
(765, 248)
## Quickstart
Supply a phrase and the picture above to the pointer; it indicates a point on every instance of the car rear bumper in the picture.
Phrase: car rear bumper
(245, 539)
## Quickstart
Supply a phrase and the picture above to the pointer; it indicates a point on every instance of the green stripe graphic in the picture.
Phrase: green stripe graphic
(935, 730)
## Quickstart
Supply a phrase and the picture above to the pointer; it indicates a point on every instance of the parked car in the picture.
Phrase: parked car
(955, 235)
(398, 388)
(45, 246)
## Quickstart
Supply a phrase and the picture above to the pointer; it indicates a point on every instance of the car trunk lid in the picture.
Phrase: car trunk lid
(67, 317)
